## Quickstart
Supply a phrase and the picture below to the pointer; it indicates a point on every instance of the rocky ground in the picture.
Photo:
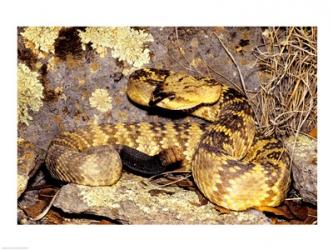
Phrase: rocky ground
(76, 76)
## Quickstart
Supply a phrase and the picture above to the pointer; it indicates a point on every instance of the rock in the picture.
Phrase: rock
(130, 201)
(22, 218)
(21, 184)
(29, 160)
(303, 151)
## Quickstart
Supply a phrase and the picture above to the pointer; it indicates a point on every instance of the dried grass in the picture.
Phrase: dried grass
(286, 102)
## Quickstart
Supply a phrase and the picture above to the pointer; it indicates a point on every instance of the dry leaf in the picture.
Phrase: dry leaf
(313, 133)
(298, 209)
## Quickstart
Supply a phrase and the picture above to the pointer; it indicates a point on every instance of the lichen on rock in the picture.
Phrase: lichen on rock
(126, 43)
(30, 93)
(42, 38)
(101, 100)
(132, 201)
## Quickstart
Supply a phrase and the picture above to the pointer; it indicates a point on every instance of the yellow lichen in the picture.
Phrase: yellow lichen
(30, 93)
(126, 44)
(101, 100)
(42, 38)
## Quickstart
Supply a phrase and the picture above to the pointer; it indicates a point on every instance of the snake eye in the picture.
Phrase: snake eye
(160, 96)
(172, 96)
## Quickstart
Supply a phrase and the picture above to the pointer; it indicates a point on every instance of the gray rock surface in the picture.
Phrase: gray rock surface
(303, 151)
(135, 201)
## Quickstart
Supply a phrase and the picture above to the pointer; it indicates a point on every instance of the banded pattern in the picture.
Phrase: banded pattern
(73, 153)
(231, 166)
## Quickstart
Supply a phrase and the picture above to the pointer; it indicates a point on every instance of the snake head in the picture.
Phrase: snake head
(182, 92)
(170, 90)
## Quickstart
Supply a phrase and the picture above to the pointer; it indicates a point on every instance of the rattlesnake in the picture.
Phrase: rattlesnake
(231, 165)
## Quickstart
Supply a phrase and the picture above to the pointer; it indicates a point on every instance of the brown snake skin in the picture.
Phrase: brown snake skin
(231, 166)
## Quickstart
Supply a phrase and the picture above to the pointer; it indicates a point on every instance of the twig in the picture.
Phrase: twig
(46, 210)
(234, 61)
(225, 78)
(168, 172)
(294, 199)
(173, 182)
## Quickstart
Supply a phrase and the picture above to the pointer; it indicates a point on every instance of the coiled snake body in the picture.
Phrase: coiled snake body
(232, 166)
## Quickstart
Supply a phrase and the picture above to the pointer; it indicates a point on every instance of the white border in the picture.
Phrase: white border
(160, 13)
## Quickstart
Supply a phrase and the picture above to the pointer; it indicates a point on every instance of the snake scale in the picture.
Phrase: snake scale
(231, 165)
